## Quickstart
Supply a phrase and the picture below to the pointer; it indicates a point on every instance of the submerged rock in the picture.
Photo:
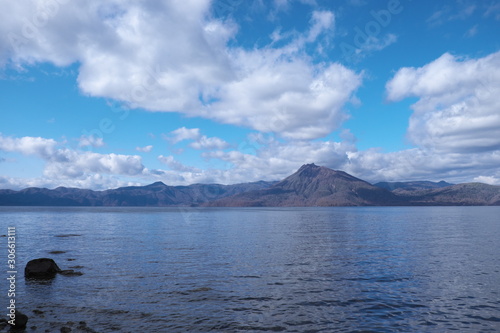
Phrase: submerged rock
(57, 252)
(20, 321)
(70, 272)
(46, 268)
(3, 323)
(42, 268)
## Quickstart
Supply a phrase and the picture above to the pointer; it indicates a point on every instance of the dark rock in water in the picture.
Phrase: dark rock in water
(69, 327)
(199, 289)
(39, 313)
(57, 252)
(20, 321)
(42, 268)
(45, 268)
(70, 272)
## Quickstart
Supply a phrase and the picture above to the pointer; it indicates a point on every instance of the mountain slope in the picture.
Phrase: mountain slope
(468, 194)
(404, 187)
(156, 194)
(313, 185)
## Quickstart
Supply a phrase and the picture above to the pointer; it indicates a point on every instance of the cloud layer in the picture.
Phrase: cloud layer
(194, 71)
(281, 90)
(457, 107)
(67, 166)
(260, 157)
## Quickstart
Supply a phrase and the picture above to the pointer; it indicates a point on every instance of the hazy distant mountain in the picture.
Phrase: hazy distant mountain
(313, 185)
(403, 187)
(157, 194)
(468, 194)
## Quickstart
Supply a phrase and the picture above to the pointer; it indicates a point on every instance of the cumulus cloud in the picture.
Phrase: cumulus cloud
(422, 164)
(194, 134)
(286, 96)
(264, 157)
(272, 89)
(41, 147)
(90, 141)
(145, 149)
(79, 164)
(487, 180)
(93, 181)
(457, 107)
(62, 162)
(207, 143)
(182, 134)
(194, 71)
(261, 157)
(175, 165)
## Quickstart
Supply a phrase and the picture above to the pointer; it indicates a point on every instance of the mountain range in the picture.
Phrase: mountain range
(310, 186)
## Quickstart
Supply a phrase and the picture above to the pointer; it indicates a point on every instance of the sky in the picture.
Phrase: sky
(103, 94)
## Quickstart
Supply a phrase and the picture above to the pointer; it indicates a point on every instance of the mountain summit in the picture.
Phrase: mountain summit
(314, 185)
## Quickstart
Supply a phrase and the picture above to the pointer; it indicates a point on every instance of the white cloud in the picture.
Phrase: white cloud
(276, 160)
(194, 71)
(41, 147)
(194, 134)
(63, 163)
(262, 157)
(209, 143)
(286, 95)
(422, 164)
(487, 180)
(176, 165)
(90, 141)
(272, 89)
(93, 181)
(79, 164)
(321, 21)
(458, 104)
(182, 134)
(145, 149)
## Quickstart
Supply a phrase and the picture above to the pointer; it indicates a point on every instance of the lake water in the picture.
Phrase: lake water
(401, 269)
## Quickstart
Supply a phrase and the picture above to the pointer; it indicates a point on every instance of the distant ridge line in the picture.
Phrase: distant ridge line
(309, 186)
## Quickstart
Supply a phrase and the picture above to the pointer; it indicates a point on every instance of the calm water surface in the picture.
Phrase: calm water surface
(420, 269)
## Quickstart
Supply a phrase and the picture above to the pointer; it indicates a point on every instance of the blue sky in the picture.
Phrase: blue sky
(98, 96)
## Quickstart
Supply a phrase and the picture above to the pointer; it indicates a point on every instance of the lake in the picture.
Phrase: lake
(366, 269)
